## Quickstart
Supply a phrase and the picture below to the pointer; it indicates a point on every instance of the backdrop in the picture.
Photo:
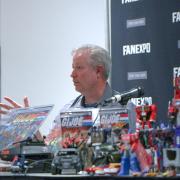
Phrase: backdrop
(145, 46)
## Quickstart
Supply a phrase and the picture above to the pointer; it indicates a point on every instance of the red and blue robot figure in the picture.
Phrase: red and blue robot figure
(135, 158)
(145, 116)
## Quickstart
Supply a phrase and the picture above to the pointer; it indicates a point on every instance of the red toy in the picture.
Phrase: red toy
(174, 106)
(146, 116)
(177, 88)
(143, 157)
(172, 111)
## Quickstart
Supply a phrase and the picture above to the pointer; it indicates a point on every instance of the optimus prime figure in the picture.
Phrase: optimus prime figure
(135, 157)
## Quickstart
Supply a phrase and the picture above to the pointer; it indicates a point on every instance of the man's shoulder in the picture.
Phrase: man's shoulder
(71, 103)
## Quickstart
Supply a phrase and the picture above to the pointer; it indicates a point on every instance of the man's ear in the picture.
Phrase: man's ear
(99, 70)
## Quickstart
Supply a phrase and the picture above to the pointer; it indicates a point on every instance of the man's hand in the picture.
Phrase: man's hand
(13, 105)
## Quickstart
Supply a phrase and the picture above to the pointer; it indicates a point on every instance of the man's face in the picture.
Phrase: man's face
(83, 74)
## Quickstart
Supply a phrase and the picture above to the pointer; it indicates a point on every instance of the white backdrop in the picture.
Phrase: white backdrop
(37, 37)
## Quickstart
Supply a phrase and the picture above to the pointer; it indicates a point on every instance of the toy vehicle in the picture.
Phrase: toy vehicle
(66, 161)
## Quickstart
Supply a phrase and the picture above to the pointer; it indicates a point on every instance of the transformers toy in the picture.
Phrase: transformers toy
(145, 116)
(174, 106)
(177, 88)
(135, 157)
(172, 112)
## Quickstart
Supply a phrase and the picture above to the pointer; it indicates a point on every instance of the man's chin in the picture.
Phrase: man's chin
(77, 89)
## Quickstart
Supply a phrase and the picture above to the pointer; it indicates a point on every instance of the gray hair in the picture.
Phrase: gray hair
(98, 56)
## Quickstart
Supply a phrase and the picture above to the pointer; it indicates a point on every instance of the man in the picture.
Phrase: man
(91, 68)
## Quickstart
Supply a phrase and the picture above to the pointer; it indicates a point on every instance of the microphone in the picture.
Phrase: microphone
(123, 98)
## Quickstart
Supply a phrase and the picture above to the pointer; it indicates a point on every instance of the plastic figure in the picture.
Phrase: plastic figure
(135, 157)
(146, 116)
(174, 106)
(172, 113)
(177, 88)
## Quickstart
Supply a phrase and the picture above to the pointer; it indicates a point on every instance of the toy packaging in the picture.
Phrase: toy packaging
(75, 126)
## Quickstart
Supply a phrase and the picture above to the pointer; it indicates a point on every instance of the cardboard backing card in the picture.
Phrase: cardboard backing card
(114, 118)
(75, 126)
(22, 124)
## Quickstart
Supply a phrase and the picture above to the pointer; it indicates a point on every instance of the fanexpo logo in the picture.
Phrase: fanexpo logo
(175, 17)
(142, 101)
(128, 1)
(136, 49)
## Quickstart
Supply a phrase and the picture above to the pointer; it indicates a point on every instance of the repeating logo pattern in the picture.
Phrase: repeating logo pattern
(145, 47)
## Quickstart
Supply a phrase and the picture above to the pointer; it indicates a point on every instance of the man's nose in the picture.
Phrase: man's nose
(73, 73)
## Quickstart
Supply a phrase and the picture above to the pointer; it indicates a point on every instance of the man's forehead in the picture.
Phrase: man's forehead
(85, 53)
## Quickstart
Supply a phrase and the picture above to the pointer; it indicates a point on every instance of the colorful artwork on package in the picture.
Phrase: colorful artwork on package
(75, 127)
(22, 124)
(114, 118)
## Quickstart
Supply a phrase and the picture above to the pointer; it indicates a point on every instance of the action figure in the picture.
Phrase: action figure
(135, 157)
(174, 106)
(146, 116)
